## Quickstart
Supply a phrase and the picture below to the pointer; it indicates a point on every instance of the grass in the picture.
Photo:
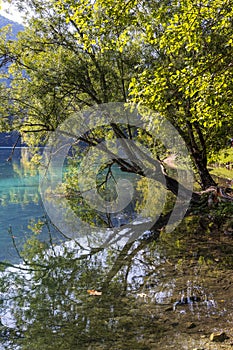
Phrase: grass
(222, 172)
(218, 168)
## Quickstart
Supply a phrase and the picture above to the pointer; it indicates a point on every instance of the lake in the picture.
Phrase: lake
(19, 200)
(154, 293)
(21, 203)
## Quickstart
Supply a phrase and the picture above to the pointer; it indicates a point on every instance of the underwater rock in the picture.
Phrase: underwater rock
(186, 301)
(218, 337)
(190, 325)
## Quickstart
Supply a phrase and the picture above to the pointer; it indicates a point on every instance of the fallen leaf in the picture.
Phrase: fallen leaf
(93, 292)
(141, 295)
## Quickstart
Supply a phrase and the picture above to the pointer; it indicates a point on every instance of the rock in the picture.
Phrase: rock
(218, 337)
(190, 325)
(170, 308)
(175, 324)
(186, 301)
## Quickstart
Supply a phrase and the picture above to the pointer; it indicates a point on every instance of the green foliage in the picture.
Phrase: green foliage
(66, 59)
(222, 165)
(189, 81)
(223, 157)
(174, 58)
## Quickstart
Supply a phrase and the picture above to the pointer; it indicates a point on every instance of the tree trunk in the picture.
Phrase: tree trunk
(206, 179)
(197, 147)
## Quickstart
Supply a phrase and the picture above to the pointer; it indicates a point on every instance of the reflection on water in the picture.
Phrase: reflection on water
(158, 292)
(142, 295)
(19, 198)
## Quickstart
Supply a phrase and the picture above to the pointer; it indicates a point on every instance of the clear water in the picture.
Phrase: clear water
(142, 285)
(19, 200)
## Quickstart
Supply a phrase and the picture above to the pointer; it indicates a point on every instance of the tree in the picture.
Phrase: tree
(78, 54)
(71, 57)
(59, 66)
(189, 79)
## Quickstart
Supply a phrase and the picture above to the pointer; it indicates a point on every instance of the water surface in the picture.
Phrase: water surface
(156, 293)
(19, 199)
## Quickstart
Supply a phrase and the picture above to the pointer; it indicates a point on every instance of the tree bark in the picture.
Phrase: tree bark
(197, 149)
(206, 179)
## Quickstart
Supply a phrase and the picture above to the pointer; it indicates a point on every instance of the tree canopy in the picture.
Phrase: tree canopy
(190, 78)
(174, 57)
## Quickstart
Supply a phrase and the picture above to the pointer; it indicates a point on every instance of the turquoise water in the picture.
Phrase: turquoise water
(21, 204)
(19, 200)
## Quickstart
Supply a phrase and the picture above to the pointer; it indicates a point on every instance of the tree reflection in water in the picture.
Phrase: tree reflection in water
(138, 283)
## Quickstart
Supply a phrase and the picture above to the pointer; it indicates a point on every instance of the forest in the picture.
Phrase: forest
(126, 109)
